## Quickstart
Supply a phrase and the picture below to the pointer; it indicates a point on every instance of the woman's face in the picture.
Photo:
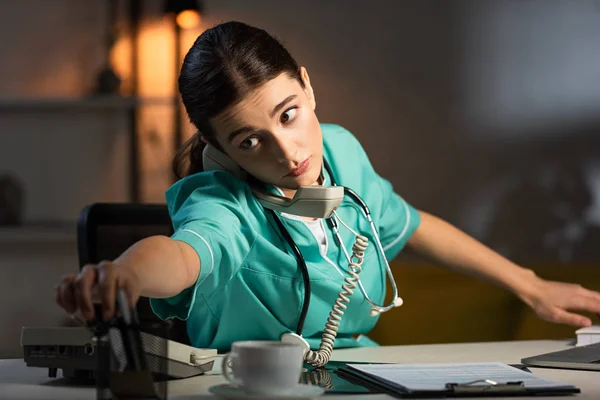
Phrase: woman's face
(274, 134)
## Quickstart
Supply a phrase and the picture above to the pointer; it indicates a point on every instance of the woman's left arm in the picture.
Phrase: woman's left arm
(442, 242)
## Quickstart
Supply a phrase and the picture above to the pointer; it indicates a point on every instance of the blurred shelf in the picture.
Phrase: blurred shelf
(55, 233)
(25, 104)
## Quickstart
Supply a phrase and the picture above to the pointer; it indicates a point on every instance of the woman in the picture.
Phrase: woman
(228, 269)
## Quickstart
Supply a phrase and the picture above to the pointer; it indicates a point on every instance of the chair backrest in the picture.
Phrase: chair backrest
(106, 230)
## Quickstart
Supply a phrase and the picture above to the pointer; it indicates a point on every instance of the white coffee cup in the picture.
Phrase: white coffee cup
(264, 367)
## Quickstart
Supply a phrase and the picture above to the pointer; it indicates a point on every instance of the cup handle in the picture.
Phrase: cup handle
(225, 368)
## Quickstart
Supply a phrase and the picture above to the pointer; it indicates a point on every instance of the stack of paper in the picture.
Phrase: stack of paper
(588, 335)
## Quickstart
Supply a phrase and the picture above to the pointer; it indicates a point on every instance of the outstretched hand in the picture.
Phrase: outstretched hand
(554, 301)
(75, 292)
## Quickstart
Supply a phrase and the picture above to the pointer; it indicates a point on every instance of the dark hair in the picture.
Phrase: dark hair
(225, 63)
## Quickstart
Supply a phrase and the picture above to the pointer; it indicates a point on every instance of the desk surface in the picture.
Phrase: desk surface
(19, 382)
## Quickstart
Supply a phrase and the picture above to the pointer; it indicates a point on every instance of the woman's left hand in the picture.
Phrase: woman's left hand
(553, 301)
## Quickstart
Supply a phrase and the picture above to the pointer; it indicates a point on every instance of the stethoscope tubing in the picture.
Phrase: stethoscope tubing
(333, 224)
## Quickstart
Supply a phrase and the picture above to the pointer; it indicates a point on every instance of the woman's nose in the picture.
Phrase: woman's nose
(285, 148)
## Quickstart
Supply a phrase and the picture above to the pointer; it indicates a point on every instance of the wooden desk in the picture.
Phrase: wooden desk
(19, 382)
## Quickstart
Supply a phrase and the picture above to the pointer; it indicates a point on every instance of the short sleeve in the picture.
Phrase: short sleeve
(398, 220)
(208, 214)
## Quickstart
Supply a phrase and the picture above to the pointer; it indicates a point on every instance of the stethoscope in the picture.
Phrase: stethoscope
(375, 308)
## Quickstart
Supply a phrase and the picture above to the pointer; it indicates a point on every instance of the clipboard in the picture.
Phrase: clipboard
(405, 375)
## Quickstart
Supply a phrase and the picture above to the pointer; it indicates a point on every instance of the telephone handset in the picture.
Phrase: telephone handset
(309, 201)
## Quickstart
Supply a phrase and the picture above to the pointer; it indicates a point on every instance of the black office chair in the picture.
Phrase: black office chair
(106, 230)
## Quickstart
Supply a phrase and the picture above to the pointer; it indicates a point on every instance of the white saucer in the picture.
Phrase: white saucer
(302, 391)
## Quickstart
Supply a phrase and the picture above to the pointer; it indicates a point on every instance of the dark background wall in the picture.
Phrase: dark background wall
(485, 113)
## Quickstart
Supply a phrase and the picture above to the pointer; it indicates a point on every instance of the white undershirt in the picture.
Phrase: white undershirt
(316, 227)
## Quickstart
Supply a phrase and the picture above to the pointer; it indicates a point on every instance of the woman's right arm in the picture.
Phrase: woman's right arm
(157, 267)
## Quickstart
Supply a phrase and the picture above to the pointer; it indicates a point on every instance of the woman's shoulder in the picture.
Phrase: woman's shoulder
(340, 142)
(336, 133)
(216, 187)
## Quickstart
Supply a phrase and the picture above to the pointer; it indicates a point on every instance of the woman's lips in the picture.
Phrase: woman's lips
(300, 169)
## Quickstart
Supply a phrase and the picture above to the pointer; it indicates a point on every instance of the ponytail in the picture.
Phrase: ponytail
(188, 159)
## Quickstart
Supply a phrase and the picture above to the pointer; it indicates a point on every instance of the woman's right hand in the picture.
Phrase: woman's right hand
(97, 282)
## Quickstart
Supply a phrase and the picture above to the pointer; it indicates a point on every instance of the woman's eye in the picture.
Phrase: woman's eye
(288, 115)
(249, 143)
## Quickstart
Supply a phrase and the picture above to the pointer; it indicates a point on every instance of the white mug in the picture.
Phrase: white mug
(264, 367)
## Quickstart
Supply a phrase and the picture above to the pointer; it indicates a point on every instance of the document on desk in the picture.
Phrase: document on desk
(454, 379)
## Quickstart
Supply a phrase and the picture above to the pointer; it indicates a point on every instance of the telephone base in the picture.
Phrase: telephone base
(73, 350)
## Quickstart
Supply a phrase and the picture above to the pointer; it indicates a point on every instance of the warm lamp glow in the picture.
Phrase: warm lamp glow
(188, 19)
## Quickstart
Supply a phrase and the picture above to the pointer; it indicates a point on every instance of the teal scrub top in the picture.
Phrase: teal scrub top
(250, 286)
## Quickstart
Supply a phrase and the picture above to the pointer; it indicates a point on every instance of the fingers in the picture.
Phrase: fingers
(107, 283)
(593, 295)
(584, 300)
(584, 304)
(102, 280)
(595, 298)
(83, 290)
(558, 302)
(65, 294)
(565, 317)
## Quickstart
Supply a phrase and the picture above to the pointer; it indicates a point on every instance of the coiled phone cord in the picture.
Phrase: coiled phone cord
(320, 377)
(321, 357)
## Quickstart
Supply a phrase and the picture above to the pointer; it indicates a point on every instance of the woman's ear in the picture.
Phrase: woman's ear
(308, 88)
